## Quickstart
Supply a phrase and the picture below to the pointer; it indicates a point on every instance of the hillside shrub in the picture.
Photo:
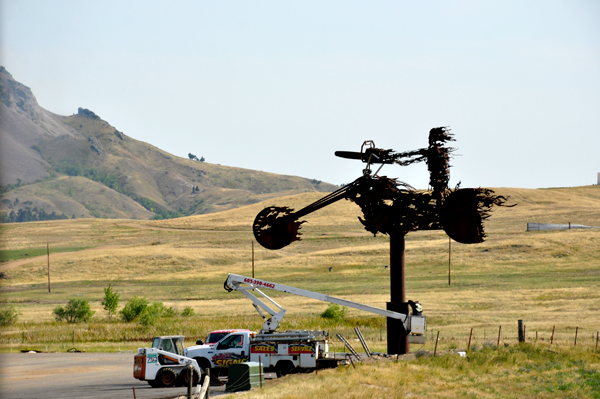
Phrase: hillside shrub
(187, 312)
(151, 314)
(8, 316)
(140, 310)
(133, 308)
(77, 310)
(334, 312)
(167, 311)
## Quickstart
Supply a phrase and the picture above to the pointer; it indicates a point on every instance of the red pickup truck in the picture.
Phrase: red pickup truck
(217, 335)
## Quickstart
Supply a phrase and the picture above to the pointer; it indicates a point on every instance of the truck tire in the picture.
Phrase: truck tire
(167, 377)
(184, 377)
(284, 367)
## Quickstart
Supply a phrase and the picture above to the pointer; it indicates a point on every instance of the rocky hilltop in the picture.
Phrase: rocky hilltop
(81, 166)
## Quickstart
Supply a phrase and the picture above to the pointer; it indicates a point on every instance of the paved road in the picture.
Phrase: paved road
(77, 375)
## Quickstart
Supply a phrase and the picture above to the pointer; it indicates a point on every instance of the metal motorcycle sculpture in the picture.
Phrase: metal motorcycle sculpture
(393, 207)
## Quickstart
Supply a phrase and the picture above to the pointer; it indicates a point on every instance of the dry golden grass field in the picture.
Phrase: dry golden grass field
(550, 279)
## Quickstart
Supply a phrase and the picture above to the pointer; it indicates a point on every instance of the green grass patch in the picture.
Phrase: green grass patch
(16, 254)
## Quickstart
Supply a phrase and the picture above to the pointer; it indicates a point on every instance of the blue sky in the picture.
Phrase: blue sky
(280, 86)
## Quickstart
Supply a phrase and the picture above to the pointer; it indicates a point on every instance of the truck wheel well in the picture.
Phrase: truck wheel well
(284, 367)
(203, 362)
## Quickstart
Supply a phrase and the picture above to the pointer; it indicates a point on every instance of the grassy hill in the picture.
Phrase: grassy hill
(81, 165)
(549, 279)
(182, 252)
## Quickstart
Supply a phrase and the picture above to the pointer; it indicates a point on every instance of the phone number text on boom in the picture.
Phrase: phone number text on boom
(258, 282)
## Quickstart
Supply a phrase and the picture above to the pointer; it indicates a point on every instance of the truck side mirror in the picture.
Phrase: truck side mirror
(199, 342)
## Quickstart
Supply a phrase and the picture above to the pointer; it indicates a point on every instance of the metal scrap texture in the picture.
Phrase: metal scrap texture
(275, 227)
(392, 207)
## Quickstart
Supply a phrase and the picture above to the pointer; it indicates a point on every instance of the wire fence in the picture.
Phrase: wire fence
(475, 338)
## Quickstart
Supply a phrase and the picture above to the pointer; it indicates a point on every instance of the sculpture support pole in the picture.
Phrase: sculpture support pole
(397, 340)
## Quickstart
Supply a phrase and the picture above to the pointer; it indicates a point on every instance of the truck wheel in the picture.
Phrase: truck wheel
(184, 377)
(284, 367)
(166, 377)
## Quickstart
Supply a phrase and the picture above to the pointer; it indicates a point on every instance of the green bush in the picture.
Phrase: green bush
(151, 314)
(187, 312)
(334, 312)
(8, 316)
(133, 308)
(168, 311)
(77, 310)
(139, 309)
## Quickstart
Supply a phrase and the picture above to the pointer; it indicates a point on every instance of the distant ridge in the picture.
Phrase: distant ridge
(81, 166)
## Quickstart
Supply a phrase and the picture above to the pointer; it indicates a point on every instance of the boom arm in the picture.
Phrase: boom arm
(245, 284)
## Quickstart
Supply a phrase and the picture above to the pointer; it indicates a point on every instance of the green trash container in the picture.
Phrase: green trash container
(244, 376)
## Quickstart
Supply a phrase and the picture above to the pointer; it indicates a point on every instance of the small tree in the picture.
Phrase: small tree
(8, 316)
(110, 301)
(77, 310)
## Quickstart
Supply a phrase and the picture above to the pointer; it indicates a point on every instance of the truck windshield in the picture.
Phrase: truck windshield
(215, 337)
(233, 341)
(178, 346)
(164, 344)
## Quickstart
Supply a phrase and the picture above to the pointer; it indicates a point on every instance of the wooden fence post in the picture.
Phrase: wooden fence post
(552, 338)
(205, 390)
(470, 335)
(349, 356)
(260, 370)
(576, 331)
(499, 330)
(521, 331)
(436, 342)
(190, 372)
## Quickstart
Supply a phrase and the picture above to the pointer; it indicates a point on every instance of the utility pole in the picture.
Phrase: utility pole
(48, 253)
(449, 257)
